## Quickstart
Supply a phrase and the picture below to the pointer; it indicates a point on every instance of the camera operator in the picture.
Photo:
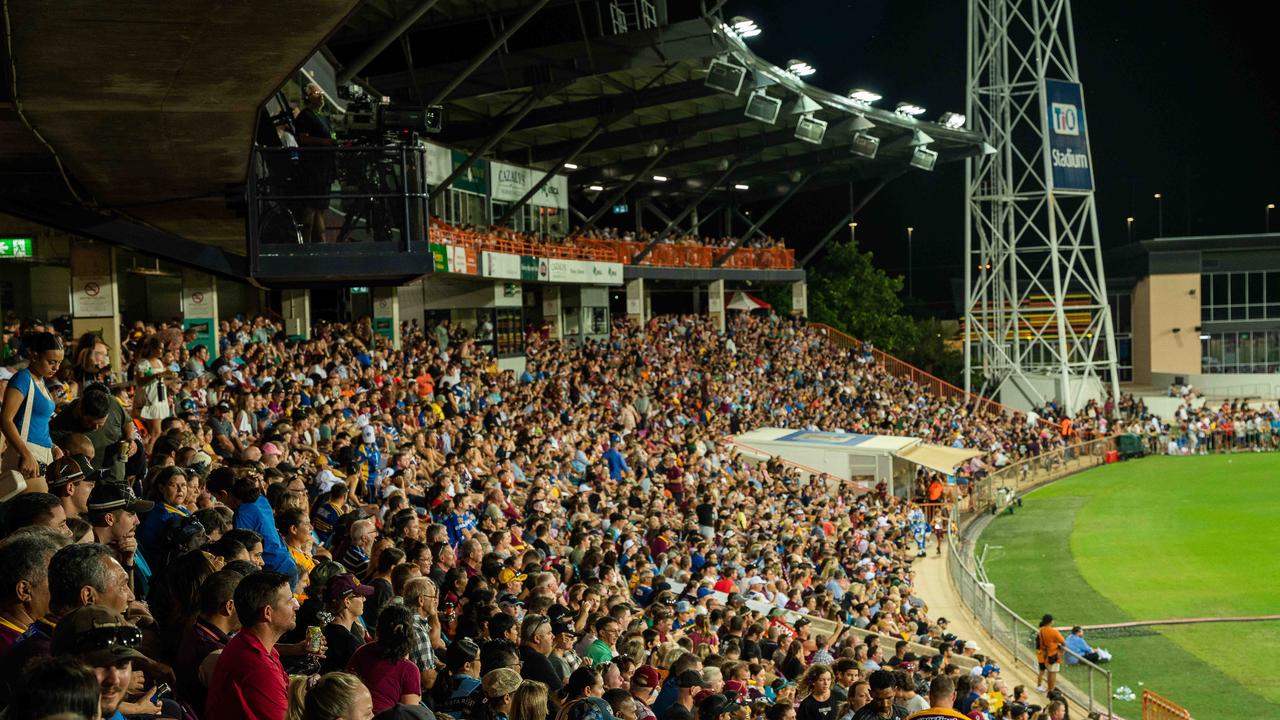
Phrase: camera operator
(317, 168)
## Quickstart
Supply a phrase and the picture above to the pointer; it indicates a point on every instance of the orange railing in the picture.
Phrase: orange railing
(1155, 707)
(615, 250)
(905, 371)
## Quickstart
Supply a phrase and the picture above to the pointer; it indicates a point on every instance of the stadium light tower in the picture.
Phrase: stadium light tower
(1037, 324)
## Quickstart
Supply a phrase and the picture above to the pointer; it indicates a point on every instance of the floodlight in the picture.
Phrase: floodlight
(924, 158)
(595, 188)
(952, 120)
(741, 186)
(744, 27)
(864, 145)
(659, 178)
(909, 109)
(725, 76)
(865, 97)
(810, 129)
(800, 68)
(763, 108)
(570, 166)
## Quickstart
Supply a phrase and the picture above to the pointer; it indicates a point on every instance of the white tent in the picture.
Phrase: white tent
(747, 303)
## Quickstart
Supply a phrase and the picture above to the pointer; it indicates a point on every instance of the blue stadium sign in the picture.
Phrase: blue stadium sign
(1068, 136)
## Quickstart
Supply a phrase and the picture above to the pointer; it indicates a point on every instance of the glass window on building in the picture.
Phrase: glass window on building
(1240, 296)
(1240, 352)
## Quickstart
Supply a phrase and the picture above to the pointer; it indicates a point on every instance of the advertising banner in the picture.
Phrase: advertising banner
(509, 183)
(475, 179)
(439, 163)
(440, 257)
(503, 265)
(1068, 136)
(606, 273)
(528, 267)
(568, 271)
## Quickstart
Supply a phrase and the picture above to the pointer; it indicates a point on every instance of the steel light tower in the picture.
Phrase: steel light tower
(1036, 311)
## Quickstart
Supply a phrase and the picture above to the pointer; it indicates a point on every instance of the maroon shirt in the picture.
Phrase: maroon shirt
(387, 680)
(248, 683)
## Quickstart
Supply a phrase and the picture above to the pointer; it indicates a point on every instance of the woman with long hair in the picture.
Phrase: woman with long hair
(814, 688)
(529, 701)
(151, 396)
(455, 692)
(27, 407)
(338, 696)
(384, 665)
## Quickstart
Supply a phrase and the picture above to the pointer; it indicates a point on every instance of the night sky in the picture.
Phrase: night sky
(1181, 97)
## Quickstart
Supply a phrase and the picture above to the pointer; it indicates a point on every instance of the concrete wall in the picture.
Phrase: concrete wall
(1162, 303)
(50, 291)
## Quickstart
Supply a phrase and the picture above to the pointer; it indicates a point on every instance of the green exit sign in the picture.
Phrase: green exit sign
(15, 247)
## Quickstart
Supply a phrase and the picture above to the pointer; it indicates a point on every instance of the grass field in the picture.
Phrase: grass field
(1155, 539)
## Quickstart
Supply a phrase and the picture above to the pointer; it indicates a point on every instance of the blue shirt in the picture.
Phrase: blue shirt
(151, 530)
(1078, 647)
(617, 463)
(256, 516)
(41, 411)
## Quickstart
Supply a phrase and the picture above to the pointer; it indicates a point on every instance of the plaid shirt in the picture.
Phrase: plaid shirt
(422, 655)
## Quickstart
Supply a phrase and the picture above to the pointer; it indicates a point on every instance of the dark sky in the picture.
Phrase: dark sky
(1182, 100)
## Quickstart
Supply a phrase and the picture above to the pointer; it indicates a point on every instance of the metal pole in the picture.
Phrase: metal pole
(910, 230)
(853, 212)
(671, 224)
(385, 41)
(1267, 223)
(608, 203)
(763, 219)
(1159, 215)
(591, 136)
(484, 54)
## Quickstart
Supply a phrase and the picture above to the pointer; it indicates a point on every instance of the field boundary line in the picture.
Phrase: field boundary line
(1181, 621)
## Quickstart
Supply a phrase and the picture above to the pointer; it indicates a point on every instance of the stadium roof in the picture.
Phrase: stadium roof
(637, 104)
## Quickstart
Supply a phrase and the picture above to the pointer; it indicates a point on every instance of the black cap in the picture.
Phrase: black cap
(716, 705)
(115, 496)
(690, 679)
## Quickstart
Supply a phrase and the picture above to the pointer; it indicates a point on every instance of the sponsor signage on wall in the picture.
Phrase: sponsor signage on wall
(1068, 136)
(501, 265)
(509, 183)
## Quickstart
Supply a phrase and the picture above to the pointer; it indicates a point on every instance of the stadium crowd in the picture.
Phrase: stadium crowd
(331, 528)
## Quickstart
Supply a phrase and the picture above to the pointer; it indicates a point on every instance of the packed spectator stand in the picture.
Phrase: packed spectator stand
(332, 528)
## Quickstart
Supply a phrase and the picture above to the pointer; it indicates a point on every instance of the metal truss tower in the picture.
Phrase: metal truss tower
(1036, 309)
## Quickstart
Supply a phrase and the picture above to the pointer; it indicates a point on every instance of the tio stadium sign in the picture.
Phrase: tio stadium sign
(1068, 137)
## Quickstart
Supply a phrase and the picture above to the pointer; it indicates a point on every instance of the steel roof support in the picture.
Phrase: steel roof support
(844, 222)
(671, 224)
(626, 188)
(546, 178)
(489, 50)
(763, 219)
(384, 42)
(525, 106)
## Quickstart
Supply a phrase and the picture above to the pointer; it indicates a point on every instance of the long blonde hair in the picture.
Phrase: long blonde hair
(297, 696)
(529, 702)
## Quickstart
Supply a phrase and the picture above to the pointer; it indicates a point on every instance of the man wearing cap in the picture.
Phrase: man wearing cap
(249, 682)
(602, 649)
(71, 480)
(688, 683)
(102, 420)
(113, 513)
(499, 686)
(100, 638)
(645, 682)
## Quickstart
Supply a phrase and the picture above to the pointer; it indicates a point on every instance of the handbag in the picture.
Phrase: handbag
(12, 481)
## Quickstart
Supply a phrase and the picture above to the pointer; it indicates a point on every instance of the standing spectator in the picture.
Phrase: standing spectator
(151, 396)
(319, 163)
(27, 407)
(1049, 642)
(249, 682)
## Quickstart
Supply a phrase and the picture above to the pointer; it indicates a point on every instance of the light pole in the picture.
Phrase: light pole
(1129, 221)
(909, 231)
(1159, 216)
(1267, 223)
(853, 232)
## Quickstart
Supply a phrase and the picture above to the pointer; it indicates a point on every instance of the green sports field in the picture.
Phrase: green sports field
(1155, 539)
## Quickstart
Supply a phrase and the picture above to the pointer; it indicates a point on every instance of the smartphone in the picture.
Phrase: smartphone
(162, 691)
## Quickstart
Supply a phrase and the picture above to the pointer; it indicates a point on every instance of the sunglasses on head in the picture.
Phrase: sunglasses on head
(103, 638)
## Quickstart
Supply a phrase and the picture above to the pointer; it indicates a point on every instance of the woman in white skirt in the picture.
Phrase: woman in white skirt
(150, 396)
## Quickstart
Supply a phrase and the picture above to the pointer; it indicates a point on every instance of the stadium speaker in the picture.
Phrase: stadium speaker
(725, 77)
(864, 145)
(763, 108)
(810, 129)
(924, 158)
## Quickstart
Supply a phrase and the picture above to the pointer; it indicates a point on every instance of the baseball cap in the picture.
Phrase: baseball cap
(646, 676)
(344, 584)
(106, 497)
(510, 600)
(560, 626)
(682, 606)
(499, 682)
(990, 668)
(942, 621)
(971, 645)
(715, 706)
(91, 473)
(367, 434)
(97, 635)
(63, 471)
(690, 679)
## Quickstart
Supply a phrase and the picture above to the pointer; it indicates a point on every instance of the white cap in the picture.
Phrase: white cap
(367, 434)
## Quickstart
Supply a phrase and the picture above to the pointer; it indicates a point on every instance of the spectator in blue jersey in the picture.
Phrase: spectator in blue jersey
(459, 521)
(617, 463)
(252, 512)
(368, 463)
(356, 557)
(168, 491)
(324, 519)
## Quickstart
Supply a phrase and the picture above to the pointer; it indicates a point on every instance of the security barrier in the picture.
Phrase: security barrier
(1155, 707)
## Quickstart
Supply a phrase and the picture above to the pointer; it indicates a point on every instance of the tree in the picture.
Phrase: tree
(852, 295)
